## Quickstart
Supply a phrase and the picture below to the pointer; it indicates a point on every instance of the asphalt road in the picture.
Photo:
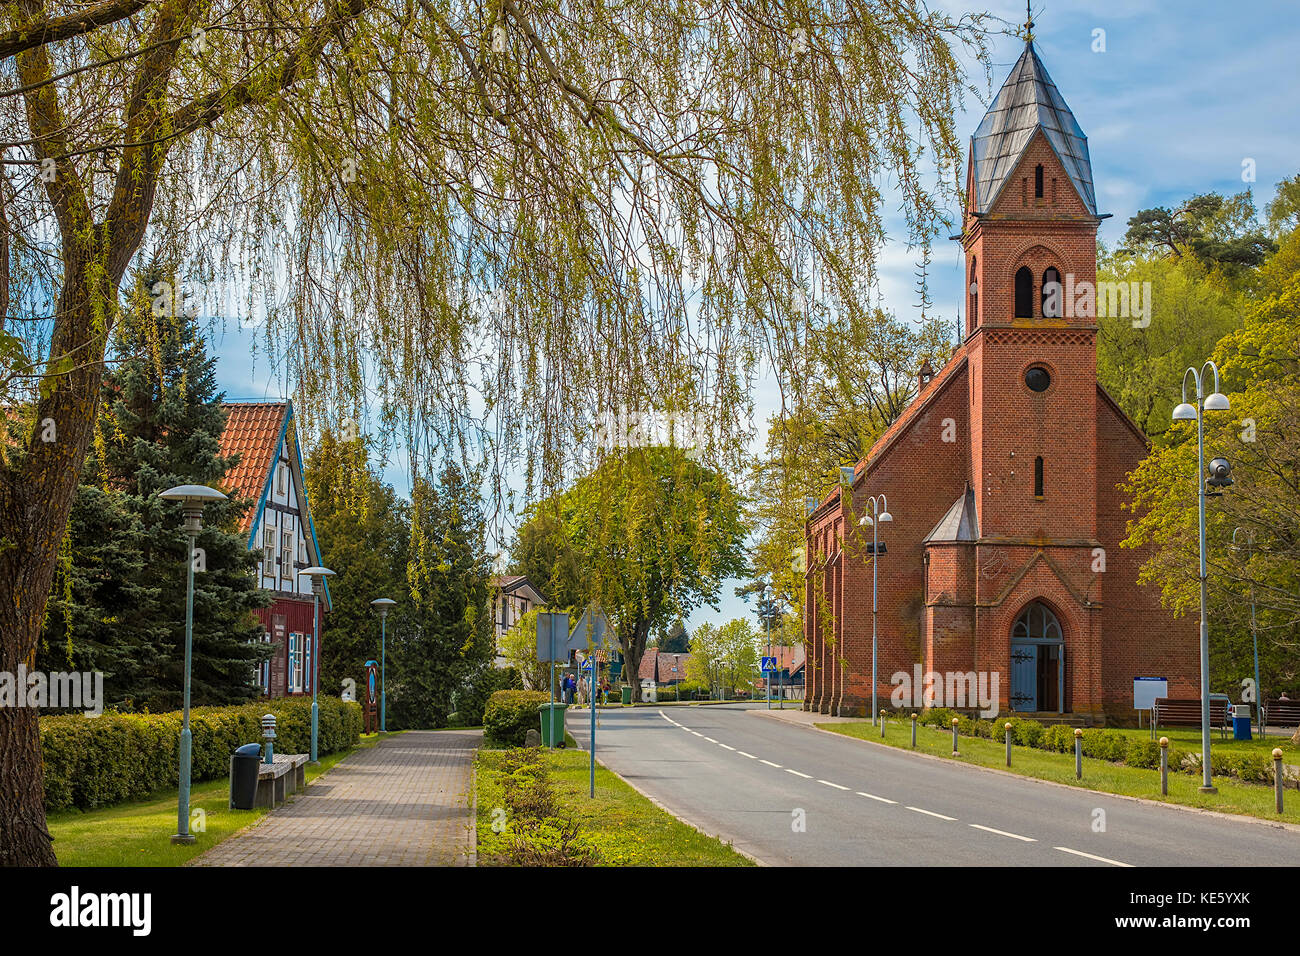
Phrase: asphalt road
(791, 795)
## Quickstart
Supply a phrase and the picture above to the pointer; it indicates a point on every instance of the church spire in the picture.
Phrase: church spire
(1028, 102)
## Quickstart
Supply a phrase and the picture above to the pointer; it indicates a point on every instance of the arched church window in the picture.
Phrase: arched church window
(1038, 181)
(1052, 293)
(1024, 293)
(1038, 477)
(972, 317)
(1036, 623)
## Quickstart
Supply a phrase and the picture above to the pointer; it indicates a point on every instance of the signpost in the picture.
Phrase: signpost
(1145, 692)
(587, 666)
(769, 667)
(552, 645)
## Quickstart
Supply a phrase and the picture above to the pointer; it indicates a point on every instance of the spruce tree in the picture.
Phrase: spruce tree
(119, 601)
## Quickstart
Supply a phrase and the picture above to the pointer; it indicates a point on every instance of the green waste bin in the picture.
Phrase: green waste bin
(627, 695)
(552, 729)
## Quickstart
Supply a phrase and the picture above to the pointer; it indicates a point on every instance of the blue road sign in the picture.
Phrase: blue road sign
(769, 665)
(586, 665)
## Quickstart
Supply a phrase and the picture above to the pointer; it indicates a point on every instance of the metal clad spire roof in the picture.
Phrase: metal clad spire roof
(1027, 102)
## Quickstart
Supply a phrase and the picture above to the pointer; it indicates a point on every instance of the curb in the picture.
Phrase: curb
(1234, 817)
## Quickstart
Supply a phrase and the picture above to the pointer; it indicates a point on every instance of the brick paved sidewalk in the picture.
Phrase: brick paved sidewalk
(407, 801)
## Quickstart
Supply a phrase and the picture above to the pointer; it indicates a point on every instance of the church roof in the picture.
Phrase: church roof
(1028, 101)
(959, 523)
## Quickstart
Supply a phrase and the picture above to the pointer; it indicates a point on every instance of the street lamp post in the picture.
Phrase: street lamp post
(383, 606)
(193, 498)
(879, 512)
(1254, 635)
(318, 576)
(1214, 402)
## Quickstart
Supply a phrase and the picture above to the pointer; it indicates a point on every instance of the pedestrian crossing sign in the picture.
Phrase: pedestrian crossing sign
(769, 665)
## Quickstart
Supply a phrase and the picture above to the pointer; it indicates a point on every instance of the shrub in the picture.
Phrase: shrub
(1144, 754)
(1104, 745)
(1058, 738)
(940, 717)
(1026, 733)
(96, 762)
(510, 714)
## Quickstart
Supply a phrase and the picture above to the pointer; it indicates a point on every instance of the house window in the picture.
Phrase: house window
(1052, 293)
(1038, 477)
(268, 551)
(1038, 181)
(1024, 293)
(295, 665)
(307, 643)
(286, 554)
(282, 473)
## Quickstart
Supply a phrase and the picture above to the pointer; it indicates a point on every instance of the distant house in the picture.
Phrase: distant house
(279, 527)
(512, 597)
(659, 670)
(788, 678)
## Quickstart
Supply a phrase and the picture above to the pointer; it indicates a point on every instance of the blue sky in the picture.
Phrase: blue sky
(1182, 95)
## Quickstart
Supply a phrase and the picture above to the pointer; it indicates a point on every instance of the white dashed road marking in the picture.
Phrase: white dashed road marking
(931, 813)
(835, 785)
(769, 763)
(1014, 836)
(872, 796)
(1099, 859)
(806, 776)
(743, 754)
(725, 747)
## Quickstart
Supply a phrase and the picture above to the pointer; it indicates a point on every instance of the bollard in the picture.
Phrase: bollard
(914, 730)
(882, 723)
(1277, 776)
(954, 736)
(1078, 754)
(1007, 728)
(268, 734)
(1164, 766)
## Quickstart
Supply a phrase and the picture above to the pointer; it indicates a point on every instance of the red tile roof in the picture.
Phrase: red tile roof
(252, 432)
(659, 667)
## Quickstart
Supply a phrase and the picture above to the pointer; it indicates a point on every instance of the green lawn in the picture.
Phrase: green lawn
(625, 827)
(139, 833)
(1233, 796)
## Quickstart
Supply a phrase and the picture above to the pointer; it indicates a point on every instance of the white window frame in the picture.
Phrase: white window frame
(268, 549)
(281, 479)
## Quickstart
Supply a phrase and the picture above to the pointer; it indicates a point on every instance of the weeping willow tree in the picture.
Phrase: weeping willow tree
(474, 221)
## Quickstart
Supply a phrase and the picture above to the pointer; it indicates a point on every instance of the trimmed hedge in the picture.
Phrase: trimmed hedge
(94, 762)
(1104, 745)
(510, 714)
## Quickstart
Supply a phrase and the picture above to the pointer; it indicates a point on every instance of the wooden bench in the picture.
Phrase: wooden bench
(1282, 713)
(1180, 712)
(286, 774)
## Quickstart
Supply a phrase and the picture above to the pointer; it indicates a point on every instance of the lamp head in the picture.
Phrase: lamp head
(383, 606)
(318, 576)
(865, 521)
(885, 516)
(1185, 413)
(1216, 402)
(193, 498)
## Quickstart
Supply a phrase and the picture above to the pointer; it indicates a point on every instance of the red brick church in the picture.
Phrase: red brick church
(1003, 553)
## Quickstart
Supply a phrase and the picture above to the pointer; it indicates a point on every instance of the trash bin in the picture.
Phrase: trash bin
(1241, 722)
(552, 729)
(244, 765)
(627, 695)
